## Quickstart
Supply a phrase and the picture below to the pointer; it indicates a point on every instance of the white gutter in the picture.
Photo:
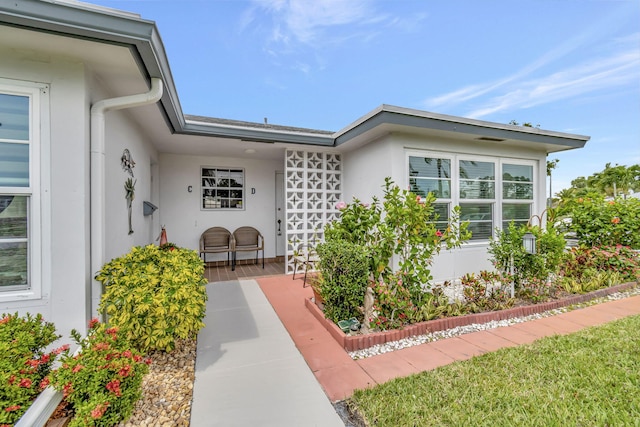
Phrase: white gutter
(98, 111)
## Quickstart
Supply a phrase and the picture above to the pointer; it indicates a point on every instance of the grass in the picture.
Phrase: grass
(590, 378)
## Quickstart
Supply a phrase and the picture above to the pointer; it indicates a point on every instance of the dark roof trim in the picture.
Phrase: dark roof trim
(389, 114)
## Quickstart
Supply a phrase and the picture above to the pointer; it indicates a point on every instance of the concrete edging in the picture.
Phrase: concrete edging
(360, 342)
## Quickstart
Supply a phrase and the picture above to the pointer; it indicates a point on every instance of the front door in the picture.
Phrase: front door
(281, 232)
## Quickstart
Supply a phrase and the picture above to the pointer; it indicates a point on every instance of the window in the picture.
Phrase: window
(19, 191)
(517, 193)
(491, 192)
(477, 196)
(432, 175)
(222, 188)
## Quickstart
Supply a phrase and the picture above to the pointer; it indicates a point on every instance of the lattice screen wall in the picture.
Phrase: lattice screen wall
(313, 186)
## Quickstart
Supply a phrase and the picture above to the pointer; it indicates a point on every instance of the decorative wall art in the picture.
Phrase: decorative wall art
(130, 185)
(127, 162)
(129, 188)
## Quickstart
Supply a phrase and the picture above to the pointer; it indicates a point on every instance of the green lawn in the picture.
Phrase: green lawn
(590, 378)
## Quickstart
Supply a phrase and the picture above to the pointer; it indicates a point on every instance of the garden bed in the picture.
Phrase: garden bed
(362, 341)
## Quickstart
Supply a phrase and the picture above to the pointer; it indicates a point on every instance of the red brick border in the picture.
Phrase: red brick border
(360, 342)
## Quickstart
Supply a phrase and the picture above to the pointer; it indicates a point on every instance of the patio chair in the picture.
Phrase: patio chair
(217, 240)
(248, 239)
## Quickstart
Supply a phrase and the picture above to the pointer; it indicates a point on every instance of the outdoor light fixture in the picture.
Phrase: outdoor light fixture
(529, 242)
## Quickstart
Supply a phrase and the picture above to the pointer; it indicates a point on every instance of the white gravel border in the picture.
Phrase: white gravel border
(474, 327)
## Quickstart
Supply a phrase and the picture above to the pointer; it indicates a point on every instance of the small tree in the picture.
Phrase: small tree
(403, 225)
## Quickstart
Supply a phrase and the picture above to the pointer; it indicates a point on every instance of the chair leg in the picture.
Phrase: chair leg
(233, 261)
(263, 259)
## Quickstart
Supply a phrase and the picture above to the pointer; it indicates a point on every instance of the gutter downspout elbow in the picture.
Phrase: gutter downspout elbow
(97, 172)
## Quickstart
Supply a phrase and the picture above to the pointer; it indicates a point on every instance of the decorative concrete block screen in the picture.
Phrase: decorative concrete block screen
(313, 186)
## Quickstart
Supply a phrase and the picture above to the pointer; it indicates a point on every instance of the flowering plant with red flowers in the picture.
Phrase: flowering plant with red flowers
(103, 380)
(24, 363)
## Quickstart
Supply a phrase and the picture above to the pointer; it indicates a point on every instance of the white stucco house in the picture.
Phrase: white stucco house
(83, 89)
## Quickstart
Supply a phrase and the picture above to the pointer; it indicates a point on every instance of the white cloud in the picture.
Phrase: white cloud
(599, 74)
(309, 22)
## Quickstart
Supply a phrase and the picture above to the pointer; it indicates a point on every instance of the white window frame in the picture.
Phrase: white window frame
(531, 202)
(243, 189)
(498, 199)
(38, 225)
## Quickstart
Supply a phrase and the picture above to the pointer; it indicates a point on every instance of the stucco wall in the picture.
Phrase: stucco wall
(122, 134)
(366, 168)
(180, 210)
(64, 183)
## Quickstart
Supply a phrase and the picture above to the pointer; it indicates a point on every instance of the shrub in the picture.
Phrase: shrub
(507, 245)
(404, 225)
(344, 276)
(393, 304)
(597, 222)
(155, 296)
(619, 259)
(24, 363)
(590, 280)
(104, 380)
(486, 292)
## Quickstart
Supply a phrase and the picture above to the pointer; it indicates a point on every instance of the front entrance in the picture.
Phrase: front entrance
(281, 232)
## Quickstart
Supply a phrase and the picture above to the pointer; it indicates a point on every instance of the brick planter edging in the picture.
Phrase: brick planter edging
(360, 342)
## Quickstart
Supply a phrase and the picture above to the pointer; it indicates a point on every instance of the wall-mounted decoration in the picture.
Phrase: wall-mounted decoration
(127, 162)
(129, 188)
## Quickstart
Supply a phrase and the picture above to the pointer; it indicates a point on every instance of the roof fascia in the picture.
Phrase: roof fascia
(387, 114)
(257, 135)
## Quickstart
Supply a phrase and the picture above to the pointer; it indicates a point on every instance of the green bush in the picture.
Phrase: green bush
(404, 225)
(508, 245)
(104, 380)
(619, 259)
(597, 222)
(487, 291)
(24, 363)
(393, 304)
(344, 268)
(155, 296)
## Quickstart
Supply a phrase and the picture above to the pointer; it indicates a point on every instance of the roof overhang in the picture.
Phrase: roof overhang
(387, 119)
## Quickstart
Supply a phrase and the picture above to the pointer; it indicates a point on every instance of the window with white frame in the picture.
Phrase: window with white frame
(486, 189)
(517, 193)
(222, 188)
(432, 175)
(477, 195)
(19, 189)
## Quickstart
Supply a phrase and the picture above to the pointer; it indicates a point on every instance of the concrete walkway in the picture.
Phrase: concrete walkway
(248, 370)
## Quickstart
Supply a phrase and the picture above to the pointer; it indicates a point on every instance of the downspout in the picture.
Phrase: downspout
(97, 165)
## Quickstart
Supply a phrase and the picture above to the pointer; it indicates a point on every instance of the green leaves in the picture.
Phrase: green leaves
(597, 222)
(23, 362)
(104, 380)
(404, 225)
(528, 268)
(155, 295)
(344, 268)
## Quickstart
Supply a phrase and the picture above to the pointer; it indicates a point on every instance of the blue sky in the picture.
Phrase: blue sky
(566, 65)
